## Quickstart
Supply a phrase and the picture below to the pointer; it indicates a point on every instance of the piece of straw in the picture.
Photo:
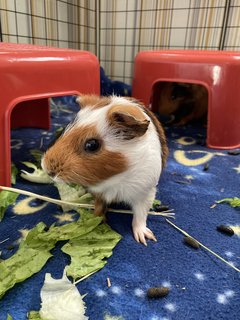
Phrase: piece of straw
(168, 213)
(4, 240)
(85, 277)
(38, 196)
(108, 282)
(202, 245)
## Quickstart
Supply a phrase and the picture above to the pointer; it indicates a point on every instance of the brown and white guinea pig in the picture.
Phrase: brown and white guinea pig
(116, 148)
(186, 102)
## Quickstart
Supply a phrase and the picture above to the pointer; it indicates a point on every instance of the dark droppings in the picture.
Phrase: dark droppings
(157, 292)
(206, 167)
(191, 242)
(226, 230)
(161, 207)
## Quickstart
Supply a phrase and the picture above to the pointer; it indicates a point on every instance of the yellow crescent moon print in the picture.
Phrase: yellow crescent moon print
(16, 143)
(181, 157)
(24, 207)
(186, 141)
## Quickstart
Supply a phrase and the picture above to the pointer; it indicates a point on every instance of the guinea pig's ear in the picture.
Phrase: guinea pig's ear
(128, 121)
(87, 100)
(92, 101)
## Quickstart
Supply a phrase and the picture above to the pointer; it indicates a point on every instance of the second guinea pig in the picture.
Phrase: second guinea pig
(187, 102)
(116, 148)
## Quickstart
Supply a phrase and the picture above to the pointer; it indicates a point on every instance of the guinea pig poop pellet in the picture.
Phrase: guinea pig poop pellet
(157, 292)
(226, 230)
(191, 242)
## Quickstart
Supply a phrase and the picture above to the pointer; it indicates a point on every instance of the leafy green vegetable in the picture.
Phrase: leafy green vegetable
(84, 225)
(37, 154)
(156, 202)
(14, 172)
(29, 259)
(233, 202)
(6, 199)
(61, 300)
(86, 198)
(59, 132)
(34, 315)
(89, 250)
(38, 175)
(70, 193)
(96, 242)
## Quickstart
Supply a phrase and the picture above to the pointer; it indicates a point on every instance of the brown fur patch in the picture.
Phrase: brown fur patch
(128, 120)
(100, 205)
(161, 134)
(167, 105)
(68, 160)
(93, 101)
(159, 128)
(130, 110)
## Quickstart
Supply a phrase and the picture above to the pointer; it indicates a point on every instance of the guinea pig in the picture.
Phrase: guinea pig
(116, 148)
(186, 102)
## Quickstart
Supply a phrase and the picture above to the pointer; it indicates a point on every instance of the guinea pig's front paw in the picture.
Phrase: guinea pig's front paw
(141, 233)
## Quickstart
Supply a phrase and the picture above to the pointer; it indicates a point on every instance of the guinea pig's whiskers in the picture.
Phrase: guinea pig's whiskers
(78, 175)
(57, 179)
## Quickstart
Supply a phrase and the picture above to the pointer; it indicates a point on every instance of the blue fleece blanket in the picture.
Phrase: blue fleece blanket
(201, 285)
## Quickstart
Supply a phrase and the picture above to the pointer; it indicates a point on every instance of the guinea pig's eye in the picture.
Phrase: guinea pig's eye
(92, 145)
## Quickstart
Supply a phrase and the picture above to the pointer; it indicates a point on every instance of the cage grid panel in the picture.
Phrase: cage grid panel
(116, 30)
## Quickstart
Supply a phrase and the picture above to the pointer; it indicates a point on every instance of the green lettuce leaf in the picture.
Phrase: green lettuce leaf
(14, 172)
(155, 203)
(86, 198)
(34, 315)
(233, 202)
(34, 251)
(29, 259)
(89, 252)
(6, 199)
(38, 175)
(84, 225)
(37, 154)
(72, 193)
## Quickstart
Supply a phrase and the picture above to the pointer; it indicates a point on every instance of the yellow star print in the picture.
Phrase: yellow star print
(65, 217)
(24, 233)
(189, 177)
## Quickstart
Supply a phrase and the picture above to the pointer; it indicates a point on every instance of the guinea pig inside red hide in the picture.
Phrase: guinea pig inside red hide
(116, 148)
(184, 101)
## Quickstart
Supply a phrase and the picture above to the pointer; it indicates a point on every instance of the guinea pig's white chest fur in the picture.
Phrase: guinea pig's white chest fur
(115, 148)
